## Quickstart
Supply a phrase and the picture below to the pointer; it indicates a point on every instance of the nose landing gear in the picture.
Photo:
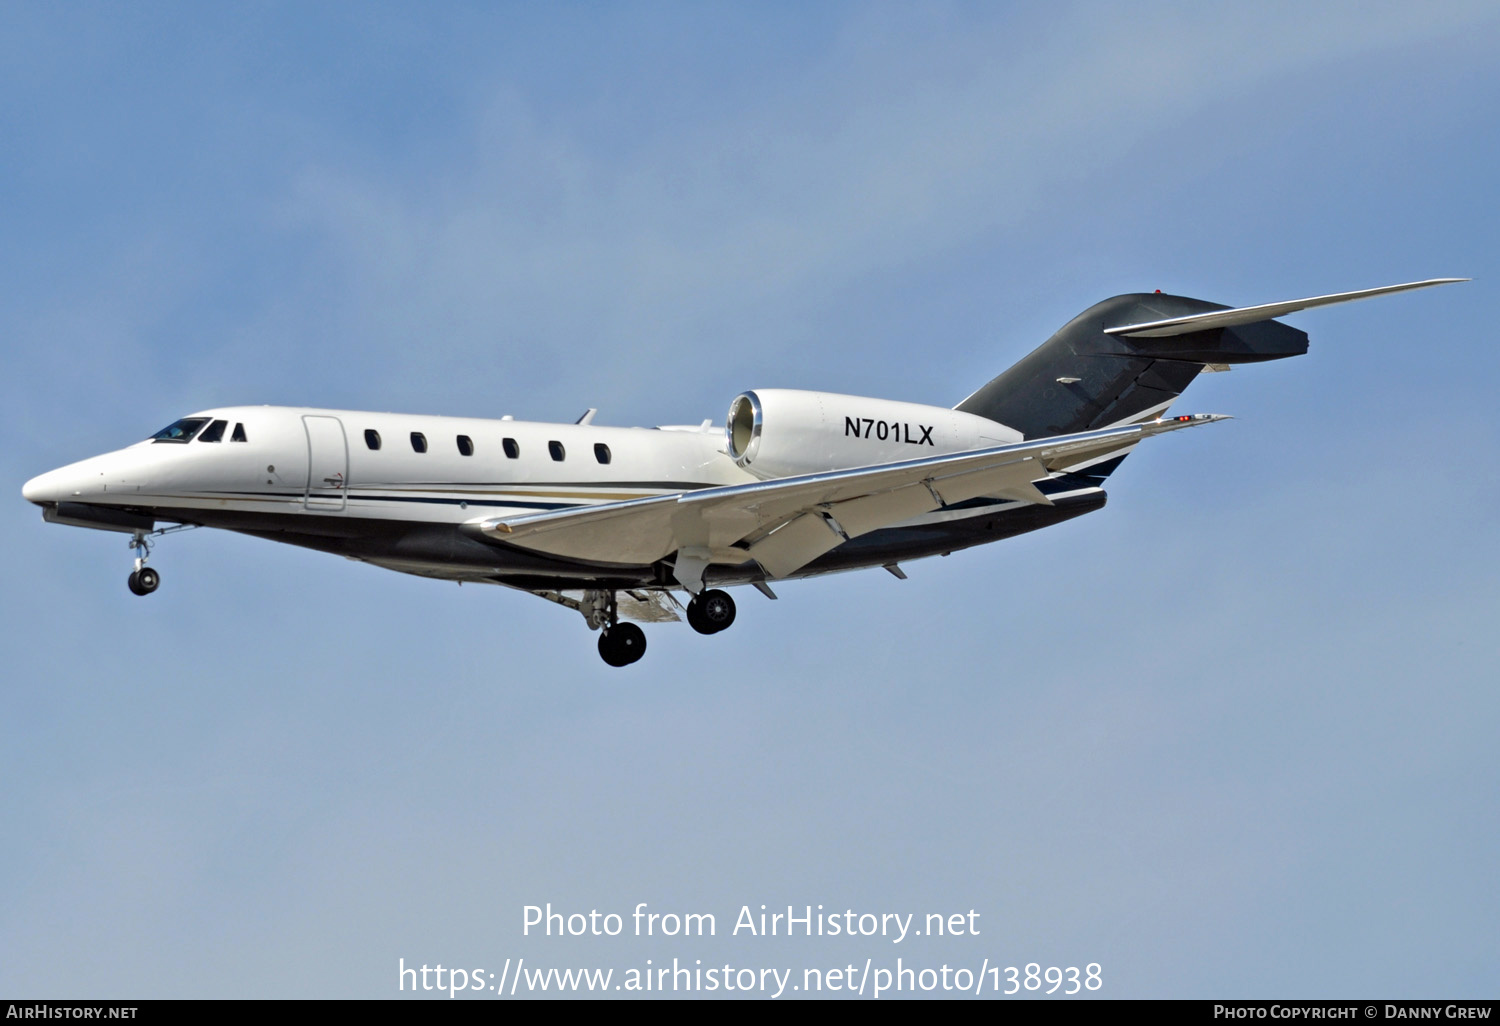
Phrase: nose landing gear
(143, 579)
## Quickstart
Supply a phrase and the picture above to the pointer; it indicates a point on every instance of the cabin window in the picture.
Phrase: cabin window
(372, 438)
(465, 445)
(512, 450)
(557, 451)
(180, 430)
(601, 452)
(418, 441)
(214, 432)
(239, 433)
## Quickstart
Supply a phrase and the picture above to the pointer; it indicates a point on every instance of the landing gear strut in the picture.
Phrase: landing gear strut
(711, 612)
(143, 579)
(620, 644)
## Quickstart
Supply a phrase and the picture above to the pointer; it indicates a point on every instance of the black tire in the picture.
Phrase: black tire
(711, 612)
(695, 618)
(147, 579)
(135, 583)
(622, 644)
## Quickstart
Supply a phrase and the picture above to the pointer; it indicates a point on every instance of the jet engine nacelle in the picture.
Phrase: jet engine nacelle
(780, 432)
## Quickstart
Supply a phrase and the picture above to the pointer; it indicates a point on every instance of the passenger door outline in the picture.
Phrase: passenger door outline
(327, 464)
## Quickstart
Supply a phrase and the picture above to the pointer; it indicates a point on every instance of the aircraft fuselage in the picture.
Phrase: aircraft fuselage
(403, 491)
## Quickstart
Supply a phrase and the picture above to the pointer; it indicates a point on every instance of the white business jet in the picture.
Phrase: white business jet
(612, 522)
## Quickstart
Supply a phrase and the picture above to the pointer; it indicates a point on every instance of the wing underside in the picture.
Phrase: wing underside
(786, 523)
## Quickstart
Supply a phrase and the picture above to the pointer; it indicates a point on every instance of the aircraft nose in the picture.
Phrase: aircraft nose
(96, 479)
(42, 489)
(61, 485)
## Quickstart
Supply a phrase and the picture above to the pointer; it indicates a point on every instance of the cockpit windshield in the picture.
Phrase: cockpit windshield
(181, 430)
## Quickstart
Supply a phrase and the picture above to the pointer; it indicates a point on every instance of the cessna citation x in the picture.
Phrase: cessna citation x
(612, 521)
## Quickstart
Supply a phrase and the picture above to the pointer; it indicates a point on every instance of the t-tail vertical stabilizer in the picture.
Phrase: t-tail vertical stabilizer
(1128, 358)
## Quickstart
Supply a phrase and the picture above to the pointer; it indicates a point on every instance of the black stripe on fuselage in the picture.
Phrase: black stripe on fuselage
(666, 486)
(323, 495)
(449, 549)
(1052, 486)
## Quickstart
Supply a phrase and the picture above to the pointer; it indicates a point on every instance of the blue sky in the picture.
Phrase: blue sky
(1231, 736)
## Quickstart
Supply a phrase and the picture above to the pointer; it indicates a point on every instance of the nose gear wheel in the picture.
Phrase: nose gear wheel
(143, 580)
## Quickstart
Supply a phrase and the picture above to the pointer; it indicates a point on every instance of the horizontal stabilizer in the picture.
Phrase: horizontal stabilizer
(1254, 314)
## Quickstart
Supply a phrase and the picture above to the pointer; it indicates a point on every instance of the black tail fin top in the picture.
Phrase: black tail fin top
(1128, 357)
(1083, 377)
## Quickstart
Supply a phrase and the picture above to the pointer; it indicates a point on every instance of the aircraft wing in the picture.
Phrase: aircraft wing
(786, 523)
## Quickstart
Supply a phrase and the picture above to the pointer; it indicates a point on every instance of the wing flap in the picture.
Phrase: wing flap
(791, 547)
(1008, 481)
(872, 512)
(796, 544)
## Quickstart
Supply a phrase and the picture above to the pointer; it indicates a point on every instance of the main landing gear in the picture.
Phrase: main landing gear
(711, 612)
(143, 579)
(622, 643)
